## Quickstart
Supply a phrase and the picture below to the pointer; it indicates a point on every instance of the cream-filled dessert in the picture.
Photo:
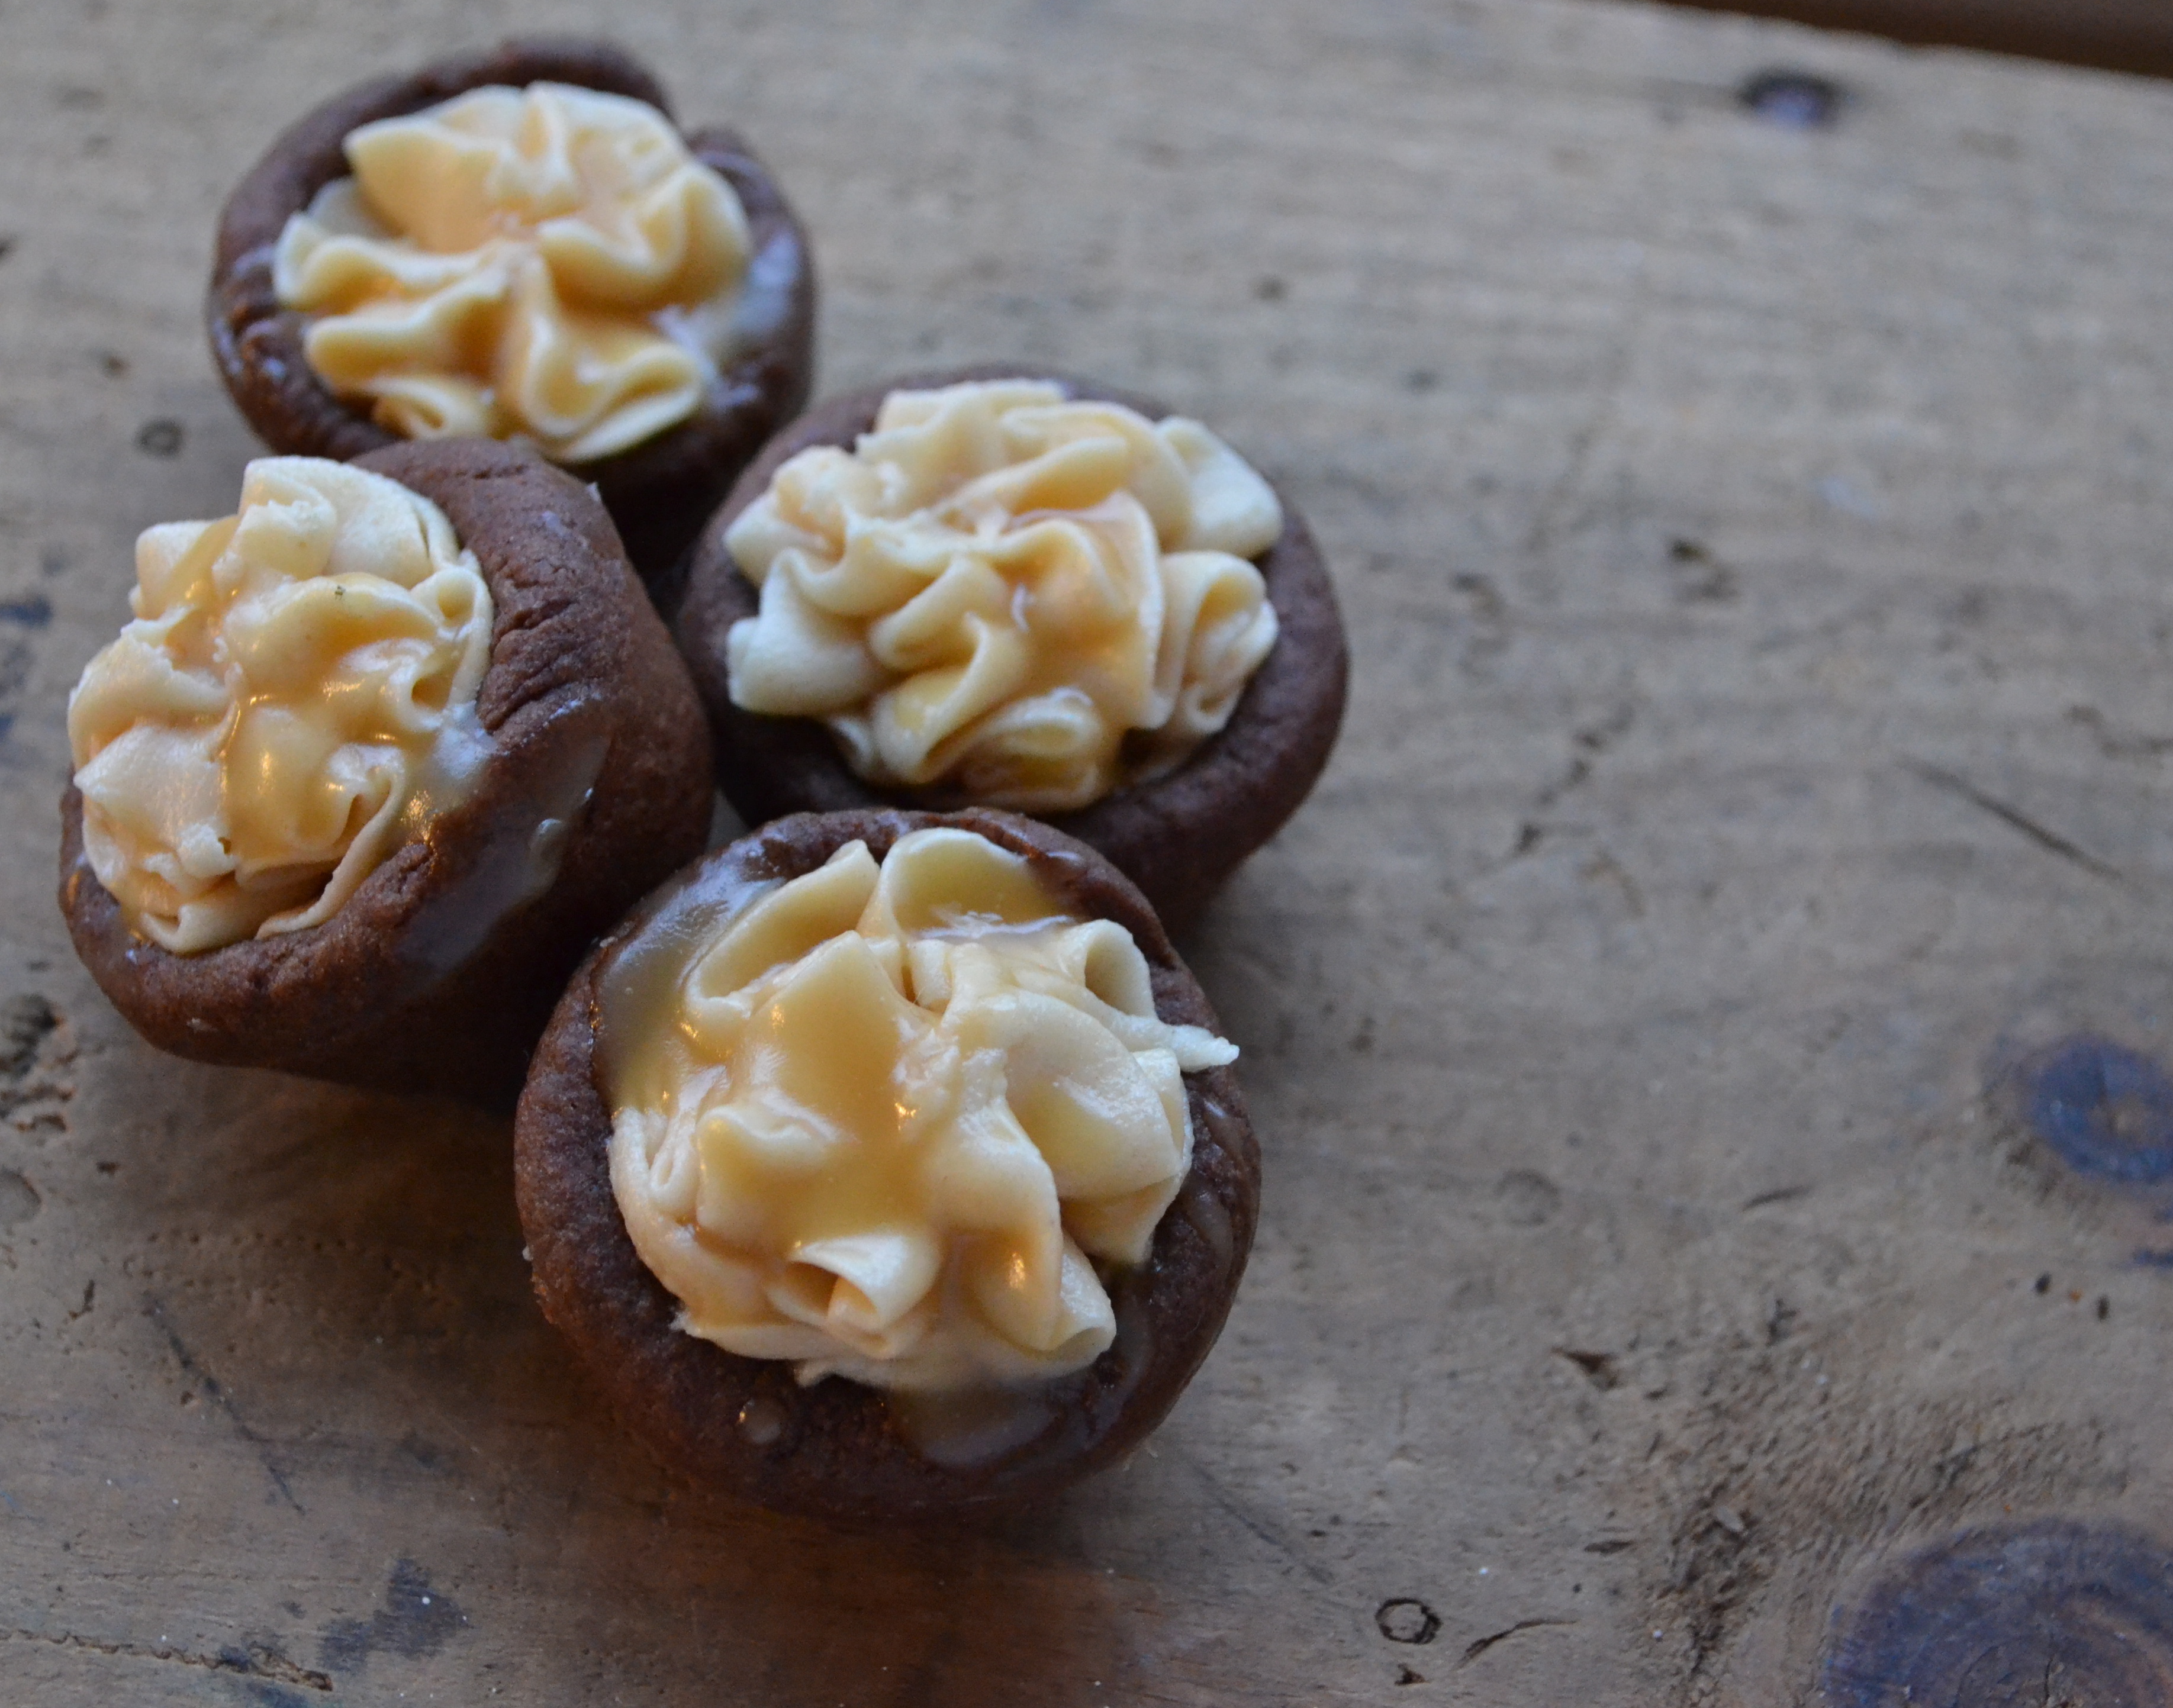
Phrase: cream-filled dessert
(549, 262)
(1007, 596)
(293, 700)
(894, 1121)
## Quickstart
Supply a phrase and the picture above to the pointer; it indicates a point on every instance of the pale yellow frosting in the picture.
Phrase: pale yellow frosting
(294, 699)
(1032, 601)
(548, 260)
(886, 1121)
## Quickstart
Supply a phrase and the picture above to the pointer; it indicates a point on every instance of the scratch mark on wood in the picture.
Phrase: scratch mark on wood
(1485, 1643)
(1547, 517)
(156, 1310)
(2013, 818)
(1779, 1194)
(1587, 744)
(1265, 1531)
(256, 1661)
(2114, 745)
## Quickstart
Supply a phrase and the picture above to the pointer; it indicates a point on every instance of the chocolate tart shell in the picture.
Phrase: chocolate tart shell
(1178, 836)
(744, 1425)
(440, 971)
(658, 492)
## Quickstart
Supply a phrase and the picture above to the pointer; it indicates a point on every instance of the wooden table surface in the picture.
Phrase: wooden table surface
(1704, 1031)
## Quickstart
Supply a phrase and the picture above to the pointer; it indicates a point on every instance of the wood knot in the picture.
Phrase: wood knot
(2049, 1611)
(2104, 1109)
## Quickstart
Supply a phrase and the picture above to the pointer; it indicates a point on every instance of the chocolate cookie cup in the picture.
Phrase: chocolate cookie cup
(658, 491)
(1178, 836)
(439, 971)
(837, 1448)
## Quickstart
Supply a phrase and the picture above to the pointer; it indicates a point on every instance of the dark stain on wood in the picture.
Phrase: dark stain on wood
(162, 437)
(1795, 100)
(414, 1619)
(25, 1023)
(2048, 1611)
(1527, 1198)
(2104, 1110)
(1599, 1368)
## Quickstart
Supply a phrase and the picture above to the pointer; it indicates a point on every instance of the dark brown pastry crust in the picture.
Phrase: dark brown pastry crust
(436, 975)
(1178, 836)
(836, 1450)
(658, 492)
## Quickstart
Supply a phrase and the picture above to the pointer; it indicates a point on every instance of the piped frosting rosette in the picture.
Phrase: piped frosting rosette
(886, 1123)
(1027, 600)
(548, 260)
(295, 699)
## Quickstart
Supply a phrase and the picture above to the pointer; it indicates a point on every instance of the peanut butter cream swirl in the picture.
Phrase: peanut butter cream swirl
(548, 260)
(886, 1120)
(294, 700)
(1029, 601)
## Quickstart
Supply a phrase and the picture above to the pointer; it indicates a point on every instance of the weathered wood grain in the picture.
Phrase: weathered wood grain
(1754, 543)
